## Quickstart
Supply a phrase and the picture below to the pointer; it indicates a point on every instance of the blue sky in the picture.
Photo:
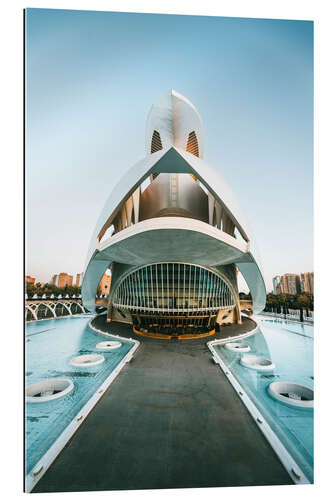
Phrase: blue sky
(91, 79)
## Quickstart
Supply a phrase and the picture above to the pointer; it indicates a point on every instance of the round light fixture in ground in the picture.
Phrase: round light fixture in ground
(292, 394)
(87, 360)
(49, 389)
(108, 345)
(258, 363)
(237, 347)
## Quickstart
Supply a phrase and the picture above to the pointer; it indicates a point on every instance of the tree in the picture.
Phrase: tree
(302, 301)
(283, 301)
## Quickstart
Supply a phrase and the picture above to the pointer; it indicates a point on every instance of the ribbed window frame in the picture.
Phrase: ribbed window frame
(192, 145)
(151, 288)
(156, 142)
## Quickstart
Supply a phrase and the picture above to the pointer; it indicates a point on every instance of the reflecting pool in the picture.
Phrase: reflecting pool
(50, 345)
(289, 346)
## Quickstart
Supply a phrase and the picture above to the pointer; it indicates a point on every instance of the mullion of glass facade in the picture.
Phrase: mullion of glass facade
(173, 286)
(168, 299)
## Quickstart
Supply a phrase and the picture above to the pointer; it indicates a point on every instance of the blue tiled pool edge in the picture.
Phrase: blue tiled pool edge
(32, 478)
(291, 466)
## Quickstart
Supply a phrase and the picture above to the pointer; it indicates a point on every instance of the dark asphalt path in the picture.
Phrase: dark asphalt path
(171, 419)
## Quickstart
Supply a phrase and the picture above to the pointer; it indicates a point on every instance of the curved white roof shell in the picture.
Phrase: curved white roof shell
(174, 117)
(149, 241)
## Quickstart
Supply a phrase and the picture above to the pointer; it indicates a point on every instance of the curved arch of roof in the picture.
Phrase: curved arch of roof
(114, 250)
(173, 160)
(97, 267)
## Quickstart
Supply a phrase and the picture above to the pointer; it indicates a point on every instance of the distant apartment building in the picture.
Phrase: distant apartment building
(291, 283)
(30, 279)
(62, 279)
(277, 285)
(288, 283)
(105, 283)
(307, 282)
(65, 279)
(79, 278)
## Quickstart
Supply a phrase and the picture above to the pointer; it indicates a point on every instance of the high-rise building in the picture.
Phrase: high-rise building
(307, 282)
(172, 244)
(30, 279)
(277, 285)
(62, 279)
(79, 278)
(65, 279)
(291, 283)
(105, 284)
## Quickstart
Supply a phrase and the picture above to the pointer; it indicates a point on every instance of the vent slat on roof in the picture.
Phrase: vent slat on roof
(156, 143)
(192, 144)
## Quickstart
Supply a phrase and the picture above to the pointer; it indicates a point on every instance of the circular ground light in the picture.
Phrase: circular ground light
(88, 360)
(258, 363)
(108, 345)
(292, 394)
(49, 389)
(237, 347)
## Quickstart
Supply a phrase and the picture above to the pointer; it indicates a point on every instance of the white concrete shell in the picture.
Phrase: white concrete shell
(174, 117)
(178, 239)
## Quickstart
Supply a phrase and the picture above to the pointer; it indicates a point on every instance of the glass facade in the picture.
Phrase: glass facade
(173, 288)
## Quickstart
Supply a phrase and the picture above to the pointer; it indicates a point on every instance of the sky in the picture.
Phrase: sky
(91, 78)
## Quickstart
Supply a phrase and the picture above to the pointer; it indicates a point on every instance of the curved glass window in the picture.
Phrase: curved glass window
(173, 287)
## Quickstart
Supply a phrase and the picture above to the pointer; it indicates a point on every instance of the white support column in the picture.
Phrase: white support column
(184, 287)
(129, 209)
(173, 285)
(143, 287)
(156, 281)
(135, 290)
(132, 289)
(195, 276)
(168, 289)
(218, 211)
(136, 204)
(220, 294)
(211, 201)
(128, 292)
(178, 300)
(189, 287)
(151, 285)
(123, 217)
(147, 286)
(162, 281)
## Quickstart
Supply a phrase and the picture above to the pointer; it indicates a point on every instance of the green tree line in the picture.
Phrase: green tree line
(281, 303)
(284, 301)
(49, 289)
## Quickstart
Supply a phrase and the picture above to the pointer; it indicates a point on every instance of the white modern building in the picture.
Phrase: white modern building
(173, 235)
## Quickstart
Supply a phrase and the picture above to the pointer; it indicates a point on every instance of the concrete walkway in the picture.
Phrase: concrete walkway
(170, 420)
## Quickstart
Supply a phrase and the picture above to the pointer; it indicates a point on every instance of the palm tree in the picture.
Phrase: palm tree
(303, 302)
